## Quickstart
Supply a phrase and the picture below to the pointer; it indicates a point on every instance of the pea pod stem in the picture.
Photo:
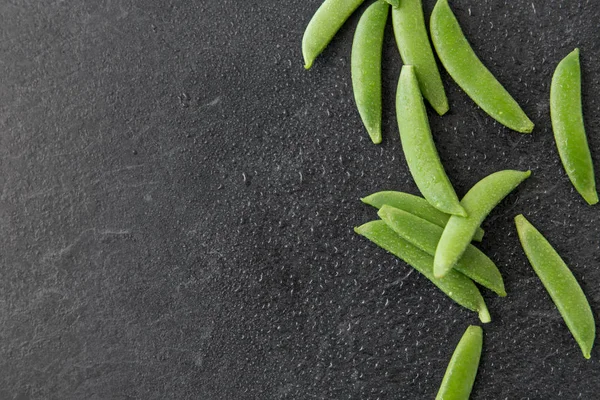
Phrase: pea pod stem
(425, 235)
(366, 66)
(415, 49)
(457, 286)
(415, 205)
(569, 130)
(478, 202)
(462, 368)
(560, 284)
(470, 74)
(323, 26)
(418, 146)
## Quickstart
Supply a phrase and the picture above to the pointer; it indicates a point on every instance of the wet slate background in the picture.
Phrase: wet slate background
(178, 196)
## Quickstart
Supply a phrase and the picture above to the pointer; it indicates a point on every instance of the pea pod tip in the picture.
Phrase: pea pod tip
(484, 314)
(440, 269)
(527, 128)
(591, 197)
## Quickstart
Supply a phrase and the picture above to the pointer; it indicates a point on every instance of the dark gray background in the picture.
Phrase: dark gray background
(177, 198)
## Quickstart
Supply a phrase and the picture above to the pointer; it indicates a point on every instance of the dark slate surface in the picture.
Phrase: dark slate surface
(178, 196)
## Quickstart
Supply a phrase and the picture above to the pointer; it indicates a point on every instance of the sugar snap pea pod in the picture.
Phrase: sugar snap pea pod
(457, 286)
(415, 49)
(560, 284)
(323, 26)
(473, 264)
(478, 202)
(366, 66)
(419, 149)
(470, 74)
(567, 124)
(462, 369)
(415, 205)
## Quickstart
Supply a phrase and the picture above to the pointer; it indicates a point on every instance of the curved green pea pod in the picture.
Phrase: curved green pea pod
(567, 124)
(473, 264)
(323, 26)
(462, 369)
(457, 286)
(366, 66)
(478, 202)
(418, 146)
(470, 74)
(415, 205)
(415, 49)
(560, 284)
(393, 3)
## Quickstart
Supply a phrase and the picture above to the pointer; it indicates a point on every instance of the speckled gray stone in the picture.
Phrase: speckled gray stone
(178, 197)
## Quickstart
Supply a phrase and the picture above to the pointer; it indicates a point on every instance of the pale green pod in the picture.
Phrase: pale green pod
(569, 131)
(415, 205)
(470, 74)
(366, 66)
(478, 203)
(462, 368)
(415, 49)
(323, 26)
(457, 286)
(418, 146)
(560, 284)
(425, 235)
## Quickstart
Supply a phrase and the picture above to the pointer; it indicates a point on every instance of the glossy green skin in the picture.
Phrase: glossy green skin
(366, 66)
(415, 49)
(393, 3)
(457, 286)
(567, 124)
(478, 203)
(323, 26)
(560, 284)
(470, 74)
(419, 149)
(462, 369)
(425, 235)
(415, 205)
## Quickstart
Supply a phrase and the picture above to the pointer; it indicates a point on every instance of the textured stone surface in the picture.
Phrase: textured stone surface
(178, 196)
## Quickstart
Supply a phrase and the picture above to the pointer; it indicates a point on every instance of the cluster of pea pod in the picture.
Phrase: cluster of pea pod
(433, 234)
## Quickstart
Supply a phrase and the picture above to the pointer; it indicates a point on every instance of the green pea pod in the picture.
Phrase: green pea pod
(478, 203)
(462, 369)
(366, 66)
(419, 149)
(323, 26)
(457, 286)
(473, 264)
(470, 74)
(415, 49)
(560, 284)
(415, 205)
(567, 124)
